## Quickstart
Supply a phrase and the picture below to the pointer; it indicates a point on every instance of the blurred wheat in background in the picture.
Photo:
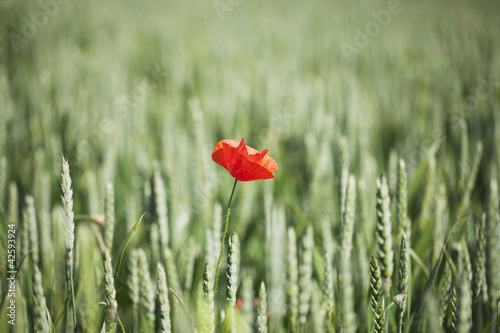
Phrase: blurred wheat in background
(384, 118)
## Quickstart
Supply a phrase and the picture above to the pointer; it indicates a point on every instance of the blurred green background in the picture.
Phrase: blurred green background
(124, 88)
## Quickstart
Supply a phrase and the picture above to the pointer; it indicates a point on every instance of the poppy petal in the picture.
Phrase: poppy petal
(242, 147)
(258, 156)
(218, 152)
(270, 164)
(218, 155)
(247, 171)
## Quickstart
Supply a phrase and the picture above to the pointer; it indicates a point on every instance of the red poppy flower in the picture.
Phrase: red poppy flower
(243, 162)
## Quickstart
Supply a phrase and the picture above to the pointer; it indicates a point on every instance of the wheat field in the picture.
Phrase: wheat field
(384, 120)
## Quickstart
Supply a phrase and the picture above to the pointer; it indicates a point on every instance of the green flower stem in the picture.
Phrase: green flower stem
(224, 236)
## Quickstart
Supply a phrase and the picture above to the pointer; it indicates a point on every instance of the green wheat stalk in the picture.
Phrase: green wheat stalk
(43, 199)
(441, 225)
(131, 211)
(12, 217)
(344, 172)
(109, 212)
(32, 228)
(161, 209)
(247, 311)
(469, 185)
(13, 212)
(464, 154)
(401, 200)
(274, 262)
(94, 195)
(212, 245)
(154, 237)
(172, 276)
(429, 193)
(25, 232)
(493, 247)
(147, 196)
(187, 264)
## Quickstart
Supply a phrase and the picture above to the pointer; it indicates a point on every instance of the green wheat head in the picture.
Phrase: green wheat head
(187, 264)
(165, 325)
(480, 291)
(328, 293)
(317, 318)
(40, 313)
(404, 261)
(67, 202)
(292, 278)
(233, 258)
(232, 269)
(69, 231)
(109, 289)
(208, 308)
(305, 274)
(445, 293)
(147, 292)
(383, 233)
(347, 315)
(377, 296)
(261, 318)
(453, 309)
(134, 285)
(172, 276)
(464, 311)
